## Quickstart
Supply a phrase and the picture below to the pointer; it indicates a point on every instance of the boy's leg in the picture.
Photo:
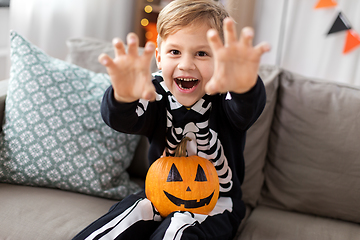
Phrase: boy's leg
(221, 224)
(134, 216)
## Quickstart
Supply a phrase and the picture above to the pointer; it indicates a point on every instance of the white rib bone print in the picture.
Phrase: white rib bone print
(206, 145)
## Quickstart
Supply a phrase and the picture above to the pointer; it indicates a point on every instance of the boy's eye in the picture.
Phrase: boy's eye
(175, 52)
(202, 54)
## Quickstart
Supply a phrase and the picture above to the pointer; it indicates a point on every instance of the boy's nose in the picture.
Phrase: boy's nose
(186, 63)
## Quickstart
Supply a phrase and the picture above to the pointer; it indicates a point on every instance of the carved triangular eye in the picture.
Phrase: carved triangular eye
(200, 175)
(174, 175)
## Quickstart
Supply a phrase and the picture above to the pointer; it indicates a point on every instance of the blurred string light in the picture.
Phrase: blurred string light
(148, 9)
(149, 26)
(144, 22)
(149, 35)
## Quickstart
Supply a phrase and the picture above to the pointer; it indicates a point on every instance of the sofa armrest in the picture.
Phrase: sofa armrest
(3, 90)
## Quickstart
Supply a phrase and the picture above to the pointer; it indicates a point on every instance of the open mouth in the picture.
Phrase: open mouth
(186, 83)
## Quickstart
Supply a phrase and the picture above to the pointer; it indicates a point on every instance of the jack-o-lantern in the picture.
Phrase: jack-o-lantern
(182, 183)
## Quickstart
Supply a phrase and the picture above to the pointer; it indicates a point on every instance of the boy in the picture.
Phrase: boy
(208, 90)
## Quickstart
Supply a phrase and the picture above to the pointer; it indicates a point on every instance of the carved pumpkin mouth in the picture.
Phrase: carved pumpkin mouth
(189, 203)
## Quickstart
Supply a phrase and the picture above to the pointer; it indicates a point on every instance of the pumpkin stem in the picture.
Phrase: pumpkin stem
(180, 150)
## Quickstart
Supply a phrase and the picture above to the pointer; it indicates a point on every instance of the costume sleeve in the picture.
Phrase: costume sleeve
(244, 109)
(131, 118)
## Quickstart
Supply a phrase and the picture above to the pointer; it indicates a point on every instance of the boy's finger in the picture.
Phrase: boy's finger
(133, 44)
(214, 40)
(229, 31)
(262, 48)
(105, 60)
(119, 47)
(246, 37)
(149, 50)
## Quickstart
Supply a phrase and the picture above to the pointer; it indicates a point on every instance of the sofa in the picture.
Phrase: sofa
(302, 156)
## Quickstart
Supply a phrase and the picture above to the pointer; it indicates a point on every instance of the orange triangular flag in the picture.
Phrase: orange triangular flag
(352, 41)
(325, 3)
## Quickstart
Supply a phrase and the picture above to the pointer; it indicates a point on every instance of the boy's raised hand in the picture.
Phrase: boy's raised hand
(129, 72)
(236, 62)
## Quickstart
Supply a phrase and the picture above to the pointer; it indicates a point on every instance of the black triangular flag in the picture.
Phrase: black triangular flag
(340, 24)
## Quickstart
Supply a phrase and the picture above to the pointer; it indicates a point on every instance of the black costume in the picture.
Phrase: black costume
(217, 125)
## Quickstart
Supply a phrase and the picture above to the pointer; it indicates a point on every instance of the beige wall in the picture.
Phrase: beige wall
(242, 11)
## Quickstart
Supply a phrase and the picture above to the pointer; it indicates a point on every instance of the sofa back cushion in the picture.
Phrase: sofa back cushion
(313, 162)
(257, 139)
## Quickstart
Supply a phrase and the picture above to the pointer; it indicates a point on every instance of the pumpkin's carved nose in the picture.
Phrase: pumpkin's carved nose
(188, 189)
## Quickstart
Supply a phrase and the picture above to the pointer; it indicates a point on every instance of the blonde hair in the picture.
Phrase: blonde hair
(181, 13)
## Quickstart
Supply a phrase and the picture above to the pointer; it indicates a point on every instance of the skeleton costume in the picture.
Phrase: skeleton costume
(217, 125)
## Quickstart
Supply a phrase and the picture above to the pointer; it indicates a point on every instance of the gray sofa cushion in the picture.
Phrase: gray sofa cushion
(257, 139)
(273, 224)
(313, 159)
(42, 213)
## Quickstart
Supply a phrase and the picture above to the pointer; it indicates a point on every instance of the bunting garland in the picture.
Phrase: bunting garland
(352, 41)
(340, 24)
(325, 3)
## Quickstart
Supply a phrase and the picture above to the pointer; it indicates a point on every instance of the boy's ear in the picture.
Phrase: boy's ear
(158, 58)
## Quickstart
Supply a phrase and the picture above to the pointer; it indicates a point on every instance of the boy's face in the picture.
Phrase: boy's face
(187, 64)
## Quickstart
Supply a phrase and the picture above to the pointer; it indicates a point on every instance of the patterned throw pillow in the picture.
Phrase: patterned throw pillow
(53, 134)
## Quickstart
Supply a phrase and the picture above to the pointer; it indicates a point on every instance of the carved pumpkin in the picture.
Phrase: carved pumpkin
(182, 183)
